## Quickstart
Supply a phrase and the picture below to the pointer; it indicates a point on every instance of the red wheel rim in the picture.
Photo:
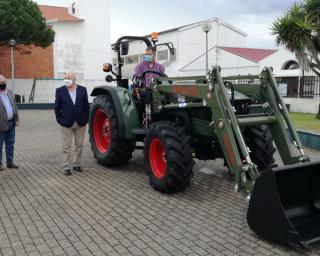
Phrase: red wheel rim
(157, 158)
(102, 131)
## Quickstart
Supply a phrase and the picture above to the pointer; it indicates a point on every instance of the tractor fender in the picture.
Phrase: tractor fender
(184, 116)
(126, 111)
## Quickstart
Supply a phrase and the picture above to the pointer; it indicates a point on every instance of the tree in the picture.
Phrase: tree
(299, 31)
(22, 20)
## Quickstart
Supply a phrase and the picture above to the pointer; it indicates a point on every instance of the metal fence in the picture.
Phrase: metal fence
(289, 86)
(310, 87)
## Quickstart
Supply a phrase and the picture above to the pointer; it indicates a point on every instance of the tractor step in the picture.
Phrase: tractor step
(139, 131)
(139, 145)
(140, 134)
(255, 120)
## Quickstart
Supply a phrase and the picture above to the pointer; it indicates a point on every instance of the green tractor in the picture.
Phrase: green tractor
(240, 119)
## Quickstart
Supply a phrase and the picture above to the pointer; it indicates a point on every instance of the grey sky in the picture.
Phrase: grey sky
(141, 17)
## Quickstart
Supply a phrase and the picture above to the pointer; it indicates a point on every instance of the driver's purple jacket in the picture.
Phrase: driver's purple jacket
(143, 66)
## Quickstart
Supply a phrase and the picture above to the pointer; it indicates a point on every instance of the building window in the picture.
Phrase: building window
(132, 59)
(73, 8)
(163, 55)
(309, 87)
(290, 65)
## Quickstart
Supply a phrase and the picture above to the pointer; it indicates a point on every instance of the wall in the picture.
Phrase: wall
(68, 54)
(277, 61)
(30, 62)
(96, 44)
(303, 105)
(230, 64)
(22, 87)
(45, 93)
(45, 89)
(190, 44)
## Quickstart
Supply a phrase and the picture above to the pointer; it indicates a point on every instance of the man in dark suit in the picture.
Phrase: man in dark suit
(72, 113)
(9, 119)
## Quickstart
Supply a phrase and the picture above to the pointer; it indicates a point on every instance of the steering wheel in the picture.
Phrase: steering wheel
(151, 71)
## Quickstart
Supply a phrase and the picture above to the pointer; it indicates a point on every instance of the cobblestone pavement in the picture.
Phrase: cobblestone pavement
(116, 212)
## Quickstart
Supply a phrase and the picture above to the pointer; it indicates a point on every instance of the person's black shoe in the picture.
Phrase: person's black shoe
(67, 172)
(12, 166)
(77, 168)
(1, 168)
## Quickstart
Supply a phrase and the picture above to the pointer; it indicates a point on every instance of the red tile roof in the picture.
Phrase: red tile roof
(250, 53)
(56, 13)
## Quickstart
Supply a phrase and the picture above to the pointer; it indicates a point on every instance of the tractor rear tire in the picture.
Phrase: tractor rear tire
(259, 140)
(106, 144)
(168, 156)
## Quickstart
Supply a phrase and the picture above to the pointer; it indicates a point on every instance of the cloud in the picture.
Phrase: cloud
(141, 17)
(53, 2)
(250, 7)
(251, 16)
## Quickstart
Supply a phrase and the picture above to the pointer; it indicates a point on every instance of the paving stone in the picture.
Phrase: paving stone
(115, 212)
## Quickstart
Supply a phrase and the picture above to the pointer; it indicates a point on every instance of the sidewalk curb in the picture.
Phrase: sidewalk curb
(309, 139)
(35, 106)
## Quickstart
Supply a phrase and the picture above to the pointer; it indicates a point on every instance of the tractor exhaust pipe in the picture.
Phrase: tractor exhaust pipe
(285, 204)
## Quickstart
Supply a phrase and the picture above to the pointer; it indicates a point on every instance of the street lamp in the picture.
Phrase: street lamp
(12, 44)
(206, 27)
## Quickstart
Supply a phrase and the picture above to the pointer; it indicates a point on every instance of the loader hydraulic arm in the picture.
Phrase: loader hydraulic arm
(224, 122)
(227, 126)
(271, 94)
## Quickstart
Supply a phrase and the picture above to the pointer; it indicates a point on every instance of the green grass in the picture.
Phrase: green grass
(305, 121)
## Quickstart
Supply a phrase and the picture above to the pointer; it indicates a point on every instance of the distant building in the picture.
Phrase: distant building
(81, 43)
(227, 48)
(189, 43)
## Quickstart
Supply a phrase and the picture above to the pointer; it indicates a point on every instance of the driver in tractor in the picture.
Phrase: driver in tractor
(149, 63)
(145, 96)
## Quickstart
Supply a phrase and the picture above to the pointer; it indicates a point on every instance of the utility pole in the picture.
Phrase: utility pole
(12, 44)
(206, 28)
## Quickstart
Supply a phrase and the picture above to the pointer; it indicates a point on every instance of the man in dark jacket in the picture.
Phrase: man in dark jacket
(72, 113)
(9, 119)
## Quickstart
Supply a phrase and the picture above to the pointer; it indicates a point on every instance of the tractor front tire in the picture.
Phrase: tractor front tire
(106, 144)
(168, 156)
(259, 140)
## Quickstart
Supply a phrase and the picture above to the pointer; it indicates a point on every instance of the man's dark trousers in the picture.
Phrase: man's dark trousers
(8, 138)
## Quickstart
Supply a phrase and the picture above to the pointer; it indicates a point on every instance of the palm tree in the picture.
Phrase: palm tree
(299, 31)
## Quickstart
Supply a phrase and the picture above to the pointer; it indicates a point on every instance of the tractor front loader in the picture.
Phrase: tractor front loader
(239, 119)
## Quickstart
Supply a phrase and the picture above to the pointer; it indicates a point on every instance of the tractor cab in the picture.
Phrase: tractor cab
(121, 47)
(141, 95)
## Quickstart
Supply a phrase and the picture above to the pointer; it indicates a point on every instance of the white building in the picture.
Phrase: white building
(82, 37)
(190, 45)
(82, 44)
(227, 48)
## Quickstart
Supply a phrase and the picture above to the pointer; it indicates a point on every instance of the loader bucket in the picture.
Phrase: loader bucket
(285, 204)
